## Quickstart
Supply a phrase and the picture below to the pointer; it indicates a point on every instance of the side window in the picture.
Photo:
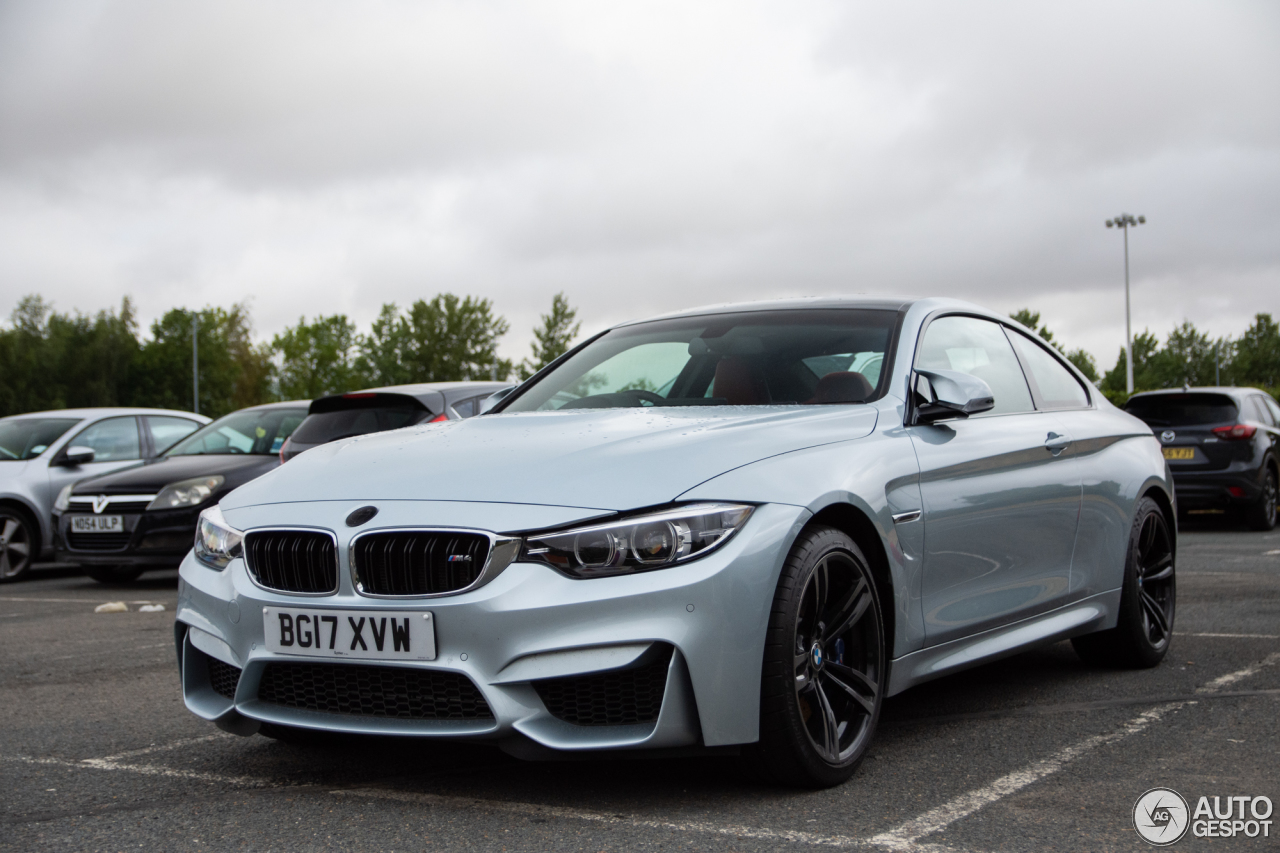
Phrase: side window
(1058, 388)
(112, 440)
(466, 408)
(165, 432)
(1273, 409)
(979, 348)
(1263, 414)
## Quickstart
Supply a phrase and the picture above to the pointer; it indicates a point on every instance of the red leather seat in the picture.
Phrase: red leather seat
(740, 383)
(846, 387)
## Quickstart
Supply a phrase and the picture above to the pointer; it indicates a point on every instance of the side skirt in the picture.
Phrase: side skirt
(1096, 613)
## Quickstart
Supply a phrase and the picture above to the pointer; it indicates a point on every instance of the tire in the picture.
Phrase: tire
(19, 543)
(1147, 599)
(823, 677)
(1262, 514)
(113, 574)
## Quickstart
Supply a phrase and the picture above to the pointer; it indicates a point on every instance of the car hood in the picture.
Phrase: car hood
(610, 459)
(153, 476)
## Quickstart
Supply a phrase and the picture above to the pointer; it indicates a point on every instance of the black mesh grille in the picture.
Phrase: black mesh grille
(609, 698)
(415, 562)
(223, 677)
(373, 691)
(99, 541)
(293, 560)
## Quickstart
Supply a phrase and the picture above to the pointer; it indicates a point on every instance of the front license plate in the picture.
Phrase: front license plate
(1183, 453)
(97, 523)
(355, 634)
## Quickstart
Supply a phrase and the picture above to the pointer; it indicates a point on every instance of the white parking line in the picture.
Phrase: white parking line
(935, 820)
(66, 600)
(177, 744)
(1238, 636)
(150, 770)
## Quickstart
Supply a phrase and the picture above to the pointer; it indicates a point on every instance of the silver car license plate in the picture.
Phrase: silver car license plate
(97, 523)
(352, 634)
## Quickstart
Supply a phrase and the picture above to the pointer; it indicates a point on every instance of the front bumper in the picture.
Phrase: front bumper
(154, 540)
(529, 628)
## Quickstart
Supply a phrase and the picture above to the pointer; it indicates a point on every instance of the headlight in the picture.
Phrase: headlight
(63, 503)
(186, 492)
(641, 543)
(217, 543)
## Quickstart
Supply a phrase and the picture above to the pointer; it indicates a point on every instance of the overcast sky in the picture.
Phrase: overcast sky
(318, 157)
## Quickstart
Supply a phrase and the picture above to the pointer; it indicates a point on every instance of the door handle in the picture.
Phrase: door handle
(1056, 443)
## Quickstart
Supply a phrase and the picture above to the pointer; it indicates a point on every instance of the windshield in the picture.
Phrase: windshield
(755, 358)
(1183, 409)
(256, 431)
(27, 438)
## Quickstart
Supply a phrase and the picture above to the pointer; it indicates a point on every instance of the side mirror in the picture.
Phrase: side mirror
(945, 394)
(495, 398)
(74, 456)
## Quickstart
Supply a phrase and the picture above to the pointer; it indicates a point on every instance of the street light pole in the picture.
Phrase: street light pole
(1124, 221)
(195, 365)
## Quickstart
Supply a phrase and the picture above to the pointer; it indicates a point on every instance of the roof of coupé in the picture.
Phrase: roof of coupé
(889, 303)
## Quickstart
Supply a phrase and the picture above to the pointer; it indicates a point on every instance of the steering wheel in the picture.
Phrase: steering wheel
(651, 397)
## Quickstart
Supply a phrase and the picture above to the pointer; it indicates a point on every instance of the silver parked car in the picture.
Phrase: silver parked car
(736, 527)
(42, 452)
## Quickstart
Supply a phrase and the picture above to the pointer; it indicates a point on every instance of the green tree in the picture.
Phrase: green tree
(446, 339)
(1256, 360)
(317, 358)
(553, 338)
(234, 372)
(1145, 346)
(50, 360)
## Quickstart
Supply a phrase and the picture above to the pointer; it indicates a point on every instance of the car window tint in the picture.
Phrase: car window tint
(466, 408)
(1186, 409)
(111, 440)
(1058, 388)
(27, 438)
(752, 358)
(330, 426)
(979, 348)
(165, 432)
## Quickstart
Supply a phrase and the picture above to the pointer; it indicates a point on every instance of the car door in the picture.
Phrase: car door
(1000, 501)
(116, 443)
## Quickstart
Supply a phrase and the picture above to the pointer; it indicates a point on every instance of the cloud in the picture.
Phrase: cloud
(321, 157)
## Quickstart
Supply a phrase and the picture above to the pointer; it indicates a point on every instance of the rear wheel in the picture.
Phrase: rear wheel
(824, 665)
(19, 543)
(1148, 595)
(113, 574)
(1262, 515)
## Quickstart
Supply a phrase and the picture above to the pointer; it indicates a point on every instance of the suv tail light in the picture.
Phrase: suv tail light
(1239, 432)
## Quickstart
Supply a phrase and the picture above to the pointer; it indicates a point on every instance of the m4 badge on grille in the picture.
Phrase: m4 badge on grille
(459, 558)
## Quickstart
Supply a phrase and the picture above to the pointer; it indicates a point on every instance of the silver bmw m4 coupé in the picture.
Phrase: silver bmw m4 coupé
(737, 527)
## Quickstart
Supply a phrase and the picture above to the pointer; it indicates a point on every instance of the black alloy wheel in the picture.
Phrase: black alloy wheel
(1262, 515)
(824, 668)
(18, 544)
(1147, 599)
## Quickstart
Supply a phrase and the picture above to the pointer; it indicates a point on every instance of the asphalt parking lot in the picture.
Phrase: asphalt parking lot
(1034, 753)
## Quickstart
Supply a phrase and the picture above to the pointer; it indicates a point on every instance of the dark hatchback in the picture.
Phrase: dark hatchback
(1222, 445)
(382, 409)
(119, 525)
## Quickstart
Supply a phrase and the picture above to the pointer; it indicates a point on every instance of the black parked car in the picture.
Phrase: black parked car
(1223, 446)
(381, 409)
(121, 524)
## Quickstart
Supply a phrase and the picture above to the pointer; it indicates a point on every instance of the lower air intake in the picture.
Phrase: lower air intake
(373, 691)
(223, 677)
(614, 698)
